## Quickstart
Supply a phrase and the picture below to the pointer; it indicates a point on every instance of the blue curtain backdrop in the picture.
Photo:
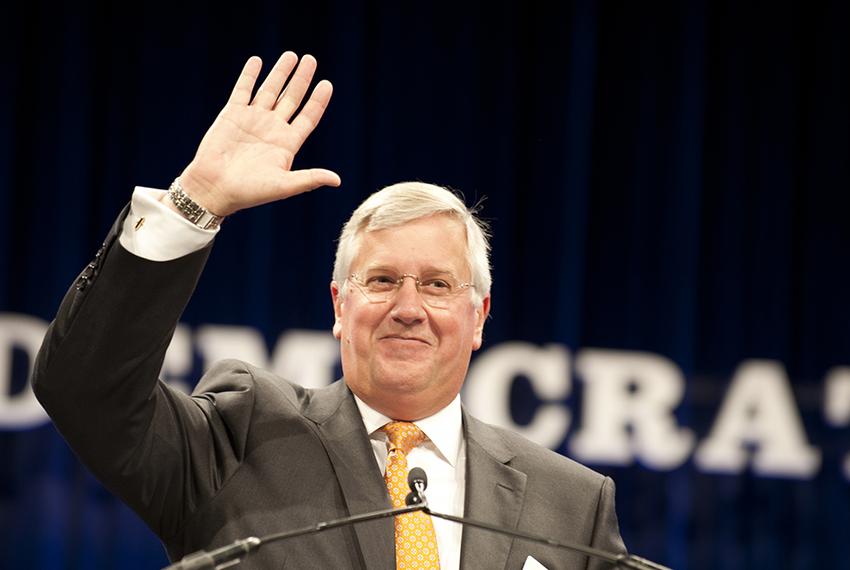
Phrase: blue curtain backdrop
(663, 177)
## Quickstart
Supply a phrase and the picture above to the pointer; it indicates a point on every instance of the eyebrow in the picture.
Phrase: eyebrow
(391, 269)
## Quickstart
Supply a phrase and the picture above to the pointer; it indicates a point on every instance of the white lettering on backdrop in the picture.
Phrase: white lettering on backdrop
(628, 399)
(19, 410)
(759, 410)
(628, 404)
(488, 384)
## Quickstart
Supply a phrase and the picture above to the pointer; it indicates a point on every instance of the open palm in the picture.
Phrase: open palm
(246, 156)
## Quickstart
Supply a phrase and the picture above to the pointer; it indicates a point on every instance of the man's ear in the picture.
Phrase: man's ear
(336, 297)
(481, 314)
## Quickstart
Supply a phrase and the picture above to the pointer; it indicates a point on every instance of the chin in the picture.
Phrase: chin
(403, 384)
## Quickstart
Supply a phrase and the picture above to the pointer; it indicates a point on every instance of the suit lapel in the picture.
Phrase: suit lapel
(347, 443)
(494, 494)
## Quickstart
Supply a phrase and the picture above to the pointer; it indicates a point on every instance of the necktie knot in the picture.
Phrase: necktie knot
(403, 436)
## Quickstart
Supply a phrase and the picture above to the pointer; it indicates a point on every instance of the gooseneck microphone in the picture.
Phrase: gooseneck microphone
(417, 480)
(220, 557)
(233, 553)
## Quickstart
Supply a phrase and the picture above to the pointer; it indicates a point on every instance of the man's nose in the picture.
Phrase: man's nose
(409, 307)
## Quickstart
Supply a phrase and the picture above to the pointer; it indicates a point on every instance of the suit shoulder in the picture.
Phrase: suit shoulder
(231, 374)
(231, 378)
(532, 457)
(233, 383)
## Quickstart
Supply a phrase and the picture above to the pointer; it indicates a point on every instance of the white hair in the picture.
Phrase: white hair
(408, 201)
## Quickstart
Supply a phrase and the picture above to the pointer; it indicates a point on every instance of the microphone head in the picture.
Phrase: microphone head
(413, 498)
(417, 477)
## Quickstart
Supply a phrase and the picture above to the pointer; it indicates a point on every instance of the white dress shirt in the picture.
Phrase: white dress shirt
(154, 231)
(443, 457)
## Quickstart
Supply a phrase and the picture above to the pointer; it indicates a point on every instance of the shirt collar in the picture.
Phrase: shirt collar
(444, 428)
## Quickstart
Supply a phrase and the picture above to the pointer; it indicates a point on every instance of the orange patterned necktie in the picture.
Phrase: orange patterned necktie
(415, 541)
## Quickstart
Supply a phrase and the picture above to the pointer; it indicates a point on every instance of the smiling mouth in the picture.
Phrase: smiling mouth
(407, 338)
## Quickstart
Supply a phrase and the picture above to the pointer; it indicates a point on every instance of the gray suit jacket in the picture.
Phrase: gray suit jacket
(251, 454)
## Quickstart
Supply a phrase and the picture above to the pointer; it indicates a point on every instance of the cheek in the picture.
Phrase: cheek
(349, 331)
(469, 320)
(359, 324)
(457, 331)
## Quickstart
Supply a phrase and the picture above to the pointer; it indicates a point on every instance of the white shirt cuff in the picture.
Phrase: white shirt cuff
(155, 232)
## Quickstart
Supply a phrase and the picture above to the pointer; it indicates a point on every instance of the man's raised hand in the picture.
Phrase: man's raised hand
(245, 159)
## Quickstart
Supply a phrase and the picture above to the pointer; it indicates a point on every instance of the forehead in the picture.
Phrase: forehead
(433, 242)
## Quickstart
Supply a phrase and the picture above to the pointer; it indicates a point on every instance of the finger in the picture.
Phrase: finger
(241, 93)
(312, 112)
(300, 181)
(292, 96)
(323, 177)
(268, 92)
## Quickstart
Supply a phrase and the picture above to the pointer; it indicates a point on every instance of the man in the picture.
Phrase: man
(252, 454)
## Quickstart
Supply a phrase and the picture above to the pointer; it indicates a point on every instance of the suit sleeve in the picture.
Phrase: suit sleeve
(606, 529)
(97, 376)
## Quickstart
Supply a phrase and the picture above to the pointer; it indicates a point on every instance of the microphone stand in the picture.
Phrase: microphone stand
(418, 482)
(233, 553)
(622, 560)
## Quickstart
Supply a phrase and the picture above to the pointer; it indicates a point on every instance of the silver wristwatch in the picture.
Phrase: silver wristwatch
(191, 210)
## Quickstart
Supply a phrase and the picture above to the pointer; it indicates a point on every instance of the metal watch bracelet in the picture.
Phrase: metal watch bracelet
(191, 210)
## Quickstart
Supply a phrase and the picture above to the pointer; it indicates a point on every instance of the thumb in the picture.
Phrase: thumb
(299, 181)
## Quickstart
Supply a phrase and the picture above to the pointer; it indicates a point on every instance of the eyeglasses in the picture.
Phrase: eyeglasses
(437, 292)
